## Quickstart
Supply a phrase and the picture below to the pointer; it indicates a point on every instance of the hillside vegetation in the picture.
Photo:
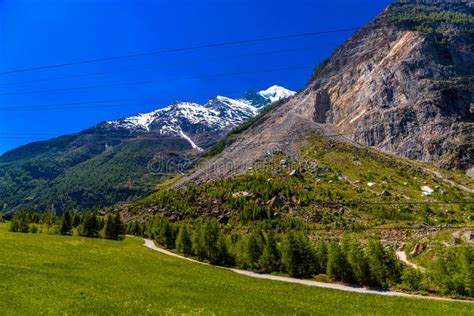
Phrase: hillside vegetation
(333, 185)
(86, 175)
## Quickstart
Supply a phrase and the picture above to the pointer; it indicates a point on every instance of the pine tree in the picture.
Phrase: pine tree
(321, 257)
(183, 241)
(358, 263)
(336, 262)
(198, 244)
(376, 258)
(66, 223)
(346, 269)
(466, 267)
(209, 235)
(298, 256)
(118, 227)
(254, 249)
(109, 230)
(271, 259)
(165, 234)
(223, 256)
(76, 220)
(91, 226)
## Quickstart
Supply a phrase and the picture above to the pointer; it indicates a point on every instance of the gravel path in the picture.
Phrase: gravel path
(150, 244)
(401, 255)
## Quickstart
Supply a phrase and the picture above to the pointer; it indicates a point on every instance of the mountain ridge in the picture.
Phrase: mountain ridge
(117, 160)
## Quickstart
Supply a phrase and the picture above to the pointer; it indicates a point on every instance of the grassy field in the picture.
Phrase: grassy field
(42, 274)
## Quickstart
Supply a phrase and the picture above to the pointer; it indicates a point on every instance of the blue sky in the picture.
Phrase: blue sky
(43, 32)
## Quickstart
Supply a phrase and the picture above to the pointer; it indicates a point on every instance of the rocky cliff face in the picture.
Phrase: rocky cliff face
(402, 84)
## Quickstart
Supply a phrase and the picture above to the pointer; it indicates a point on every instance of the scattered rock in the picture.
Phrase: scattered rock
(223, 219)
(470, 173)
(322, 170)
(283, 163)
(313, 165)
(295, 173)
(456, 238)
(386, 193)
(426, 191)
(418, 249)
(371, 184)
(241, 194)
(357, 182)
(469, 235)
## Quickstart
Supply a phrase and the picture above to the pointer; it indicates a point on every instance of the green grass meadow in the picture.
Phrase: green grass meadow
(57, 275)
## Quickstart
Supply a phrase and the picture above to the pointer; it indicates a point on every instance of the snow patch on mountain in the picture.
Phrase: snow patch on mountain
(275, 93)
(139, 121)
(183, 135)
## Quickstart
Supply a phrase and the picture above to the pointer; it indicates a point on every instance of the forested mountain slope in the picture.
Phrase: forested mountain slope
(124, 159)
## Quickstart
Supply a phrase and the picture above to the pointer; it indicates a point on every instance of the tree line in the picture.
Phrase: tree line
(85, 224)
(266, 252)
(262, 250)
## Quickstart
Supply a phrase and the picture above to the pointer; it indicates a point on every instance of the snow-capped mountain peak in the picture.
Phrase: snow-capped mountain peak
(275, 93)
(194, 122)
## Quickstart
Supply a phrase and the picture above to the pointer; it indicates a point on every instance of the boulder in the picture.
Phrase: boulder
(426, 191)
(241, 194)
(469, 235)
(295, 173)
(456, 238)
(418, 249)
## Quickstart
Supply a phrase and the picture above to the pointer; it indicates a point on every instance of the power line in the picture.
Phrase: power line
(72, 105)
(147, 67)
(182, 49)
(156, 81)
